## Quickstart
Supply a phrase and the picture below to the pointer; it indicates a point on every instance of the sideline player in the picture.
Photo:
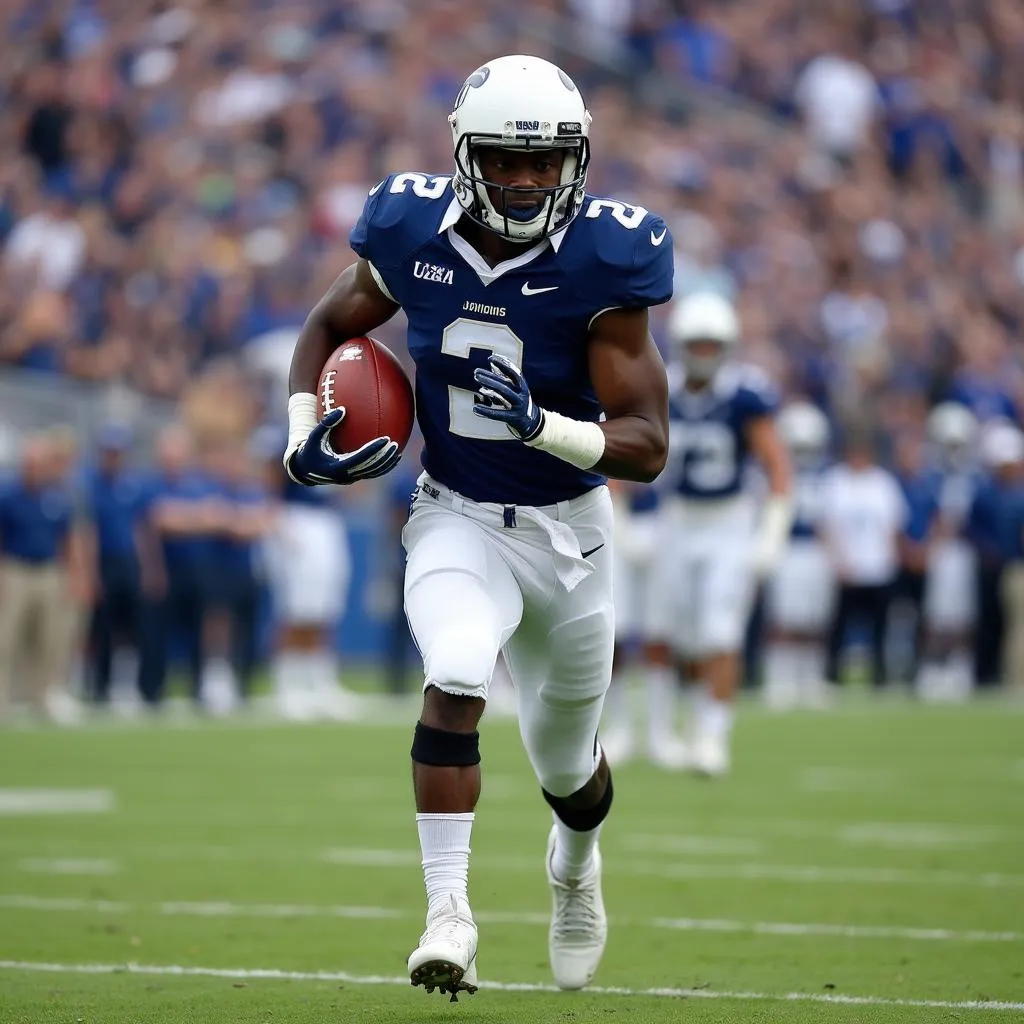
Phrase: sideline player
(536, 377)
(711, 552)
(801, 592)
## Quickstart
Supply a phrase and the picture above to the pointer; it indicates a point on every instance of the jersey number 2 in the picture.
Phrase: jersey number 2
(459, 339)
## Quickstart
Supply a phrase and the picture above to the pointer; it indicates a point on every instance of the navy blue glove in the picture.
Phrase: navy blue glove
(316, 462)
(504, 395)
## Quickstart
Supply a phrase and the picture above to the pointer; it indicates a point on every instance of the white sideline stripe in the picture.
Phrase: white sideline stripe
(925, 835)
(694, 844)
(275, 974)
(18, 802)
(223, 908)
(68, 866)
(756, 871)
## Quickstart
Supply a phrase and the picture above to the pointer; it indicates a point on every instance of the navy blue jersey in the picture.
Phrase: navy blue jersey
(536, 309)
(708, 445)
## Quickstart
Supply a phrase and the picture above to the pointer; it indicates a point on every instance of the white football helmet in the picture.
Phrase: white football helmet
(520, 102)
(952, 425)
(703, 316)
(804, 428)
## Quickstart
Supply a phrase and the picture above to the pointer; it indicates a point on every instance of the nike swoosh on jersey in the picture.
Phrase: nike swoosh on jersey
(658, 239)
(527, 290)
(587, 554)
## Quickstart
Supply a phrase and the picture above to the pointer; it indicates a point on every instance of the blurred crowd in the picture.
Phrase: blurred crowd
(178, 179)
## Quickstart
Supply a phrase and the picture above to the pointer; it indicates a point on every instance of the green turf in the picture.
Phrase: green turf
(246, 846)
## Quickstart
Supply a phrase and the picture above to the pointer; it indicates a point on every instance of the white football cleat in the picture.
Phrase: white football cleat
(579, 925)
(710, 756)
(446, 955)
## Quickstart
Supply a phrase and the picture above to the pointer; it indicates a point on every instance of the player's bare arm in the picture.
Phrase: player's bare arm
(777, 514)
(629, 378)
(352, 307)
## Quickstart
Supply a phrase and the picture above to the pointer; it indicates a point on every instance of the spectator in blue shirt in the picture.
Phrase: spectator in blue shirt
(118, 500)
(238, 573)
(186, 517)
(39, 538)
(994, 527)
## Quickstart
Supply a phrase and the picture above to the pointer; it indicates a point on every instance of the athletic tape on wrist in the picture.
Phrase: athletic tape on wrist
(577, 442)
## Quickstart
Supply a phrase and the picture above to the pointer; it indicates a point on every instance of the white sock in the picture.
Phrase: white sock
(715, 716)
(294, 675)
(444, 845)
(782, 664)
(661, 701)
(574, 851)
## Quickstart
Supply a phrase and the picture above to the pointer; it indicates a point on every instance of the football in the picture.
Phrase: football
(367, 379)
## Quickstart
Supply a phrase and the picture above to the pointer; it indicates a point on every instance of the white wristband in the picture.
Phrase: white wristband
(773, 531)
(302, 418)
(577, 442)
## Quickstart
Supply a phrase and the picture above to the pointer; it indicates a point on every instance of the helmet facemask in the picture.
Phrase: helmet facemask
(702, 367)
(561, 203)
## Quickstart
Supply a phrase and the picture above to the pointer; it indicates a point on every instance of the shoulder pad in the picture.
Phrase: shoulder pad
(401, 213)
(629, 253)
(750, 387)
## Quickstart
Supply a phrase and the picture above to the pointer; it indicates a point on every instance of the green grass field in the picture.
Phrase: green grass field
(866, 865)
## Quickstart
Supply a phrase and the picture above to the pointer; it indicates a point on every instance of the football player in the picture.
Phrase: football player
(713, 550)
(636, 528)
(536, 378)
(801, 591)
(950, 606)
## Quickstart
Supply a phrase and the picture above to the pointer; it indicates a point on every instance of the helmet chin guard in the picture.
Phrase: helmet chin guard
(521, 103)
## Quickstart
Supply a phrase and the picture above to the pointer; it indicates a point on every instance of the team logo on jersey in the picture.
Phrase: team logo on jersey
(432, 272)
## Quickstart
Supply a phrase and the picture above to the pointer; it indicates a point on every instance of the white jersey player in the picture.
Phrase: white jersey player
(636, 533)
(801, 592)
(950, 588)
(714, 544)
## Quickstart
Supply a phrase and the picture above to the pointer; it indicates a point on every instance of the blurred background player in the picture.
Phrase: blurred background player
(309, 570)
(995, 526)
(801, 592)
(950, 598)
(636, 511)
(712, 549)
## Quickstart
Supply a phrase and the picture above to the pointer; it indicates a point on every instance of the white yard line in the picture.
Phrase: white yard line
(224, 908)
(275, 974)
(407, 857)
(22, 802)
(916, 835)
(68, 866)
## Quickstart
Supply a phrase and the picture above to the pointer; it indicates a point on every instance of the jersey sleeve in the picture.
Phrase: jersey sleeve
(757, 395)
(630, 265)
(647, 281)
(366, 237)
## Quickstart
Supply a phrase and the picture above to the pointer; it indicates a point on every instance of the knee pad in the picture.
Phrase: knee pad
(586, 820)
(443, 749)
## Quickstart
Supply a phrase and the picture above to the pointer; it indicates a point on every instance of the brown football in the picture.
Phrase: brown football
(367, 379)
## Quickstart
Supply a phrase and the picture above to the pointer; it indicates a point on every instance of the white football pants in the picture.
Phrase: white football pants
(484, 577)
